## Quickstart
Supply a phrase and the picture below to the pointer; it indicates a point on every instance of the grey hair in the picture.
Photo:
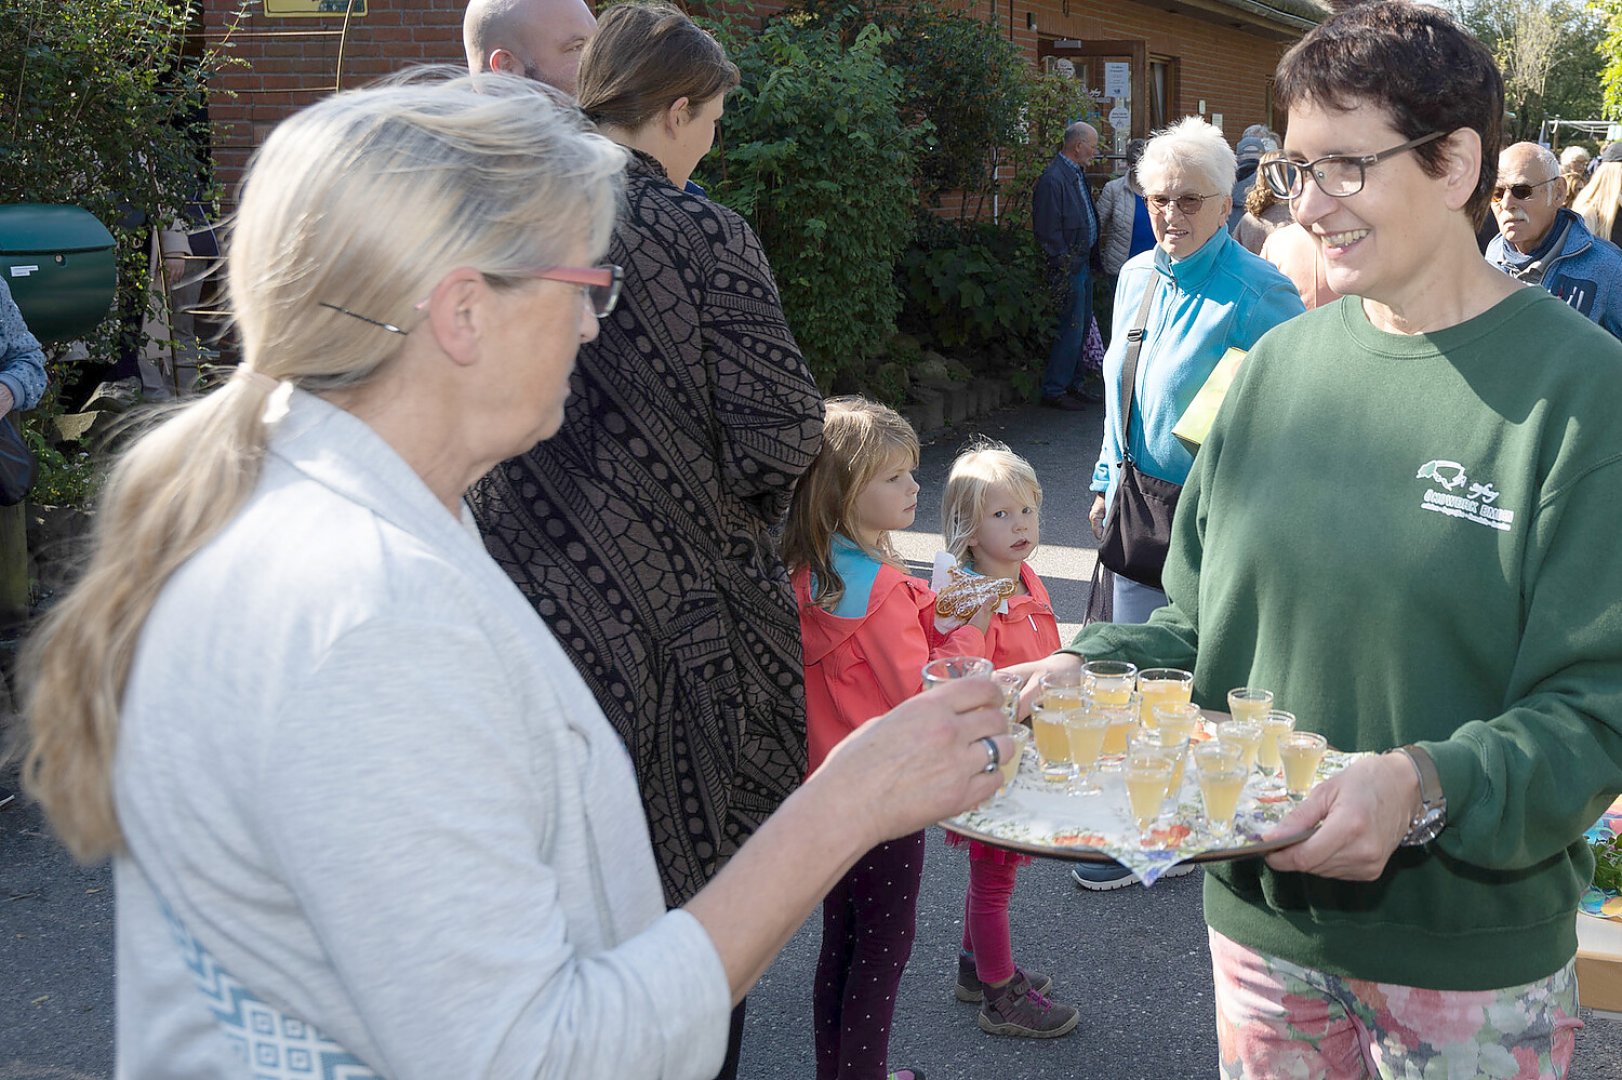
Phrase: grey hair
(1078, 131)
(1540, 154)
(366, 199)
(1193, 146)
(1573, 155)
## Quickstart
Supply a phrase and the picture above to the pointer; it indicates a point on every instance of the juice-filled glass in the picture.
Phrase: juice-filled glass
(946, 669)
(1221, 773)
(1086, 727)
(1010, 768)
(1277, 722)
(1147, 776)
(1052, 741)
(1179, 719)
(1301, 751)
(1164, 686)
(1249, 703)
(1119, 722)
(1062, 689)
(1109, 681)
(1246, 735)
(1010, 685)
(1175, 748)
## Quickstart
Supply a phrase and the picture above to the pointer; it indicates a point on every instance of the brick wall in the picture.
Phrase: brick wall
(290, 62)
(1228, 68)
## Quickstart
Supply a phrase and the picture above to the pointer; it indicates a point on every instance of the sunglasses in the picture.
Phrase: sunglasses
(1520, 191)
(599, 285)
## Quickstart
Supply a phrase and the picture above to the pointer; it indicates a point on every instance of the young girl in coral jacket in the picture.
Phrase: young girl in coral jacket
(868, 630)
(991, 518)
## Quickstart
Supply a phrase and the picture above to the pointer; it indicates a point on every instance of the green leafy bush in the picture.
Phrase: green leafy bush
(816, 156)
(976, 290)
(101, 106)
(963, 86)
(1608, 864)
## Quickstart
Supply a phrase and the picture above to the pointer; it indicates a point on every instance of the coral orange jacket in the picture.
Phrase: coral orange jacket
(856, 669)
(1028, 630)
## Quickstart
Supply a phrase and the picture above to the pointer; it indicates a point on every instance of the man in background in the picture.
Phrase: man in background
(1542, 243)
(1066, 226)
(1247, 153)
(538, 39)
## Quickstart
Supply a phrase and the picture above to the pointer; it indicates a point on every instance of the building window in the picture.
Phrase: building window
(1162, 91)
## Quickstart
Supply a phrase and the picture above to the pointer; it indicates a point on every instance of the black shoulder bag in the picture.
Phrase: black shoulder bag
(1138, 531)
(17, 465)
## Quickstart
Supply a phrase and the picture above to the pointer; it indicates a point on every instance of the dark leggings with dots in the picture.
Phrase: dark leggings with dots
(867, 930)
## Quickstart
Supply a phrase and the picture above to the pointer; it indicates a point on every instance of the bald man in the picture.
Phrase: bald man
(538, 39)
(1542, 243)
(1066, 227)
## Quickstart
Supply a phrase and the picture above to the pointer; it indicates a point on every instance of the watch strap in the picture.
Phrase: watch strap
(1431, 818)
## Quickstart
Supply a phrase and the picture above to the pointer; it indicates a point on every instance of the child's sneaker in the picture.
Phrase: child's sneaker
(1025, 1012)
(970, 989)
(907, 1074)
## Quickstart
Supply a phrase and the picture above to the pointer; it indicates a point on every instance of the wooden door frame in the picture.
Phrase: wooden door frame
(1136, 49)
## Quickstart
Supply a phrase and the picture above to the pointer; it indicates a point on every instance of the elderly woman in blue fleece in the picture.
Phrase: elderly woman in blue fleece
(22, 361)
(1210, 295)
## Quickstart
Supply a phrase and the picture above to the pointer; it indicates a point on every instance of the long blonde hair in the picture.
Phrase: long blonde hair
(364, 201)
(858, 438)
(984, 465)
(1598, 202)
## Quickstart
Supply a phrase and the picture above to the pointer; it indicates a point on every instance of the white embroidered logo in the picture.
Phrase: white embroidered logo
(1476, 505)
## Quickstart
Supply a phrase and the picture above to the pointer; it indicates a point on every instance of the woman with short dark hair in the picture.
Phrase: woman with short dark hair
(1402, 523)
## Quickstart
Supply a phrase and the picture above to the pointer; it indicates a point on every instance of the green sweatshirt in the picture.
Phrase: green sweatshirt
(1413, 540)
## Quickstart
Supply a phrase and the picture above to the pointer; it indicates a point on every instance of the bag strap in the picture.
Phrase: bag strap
(1129, 366)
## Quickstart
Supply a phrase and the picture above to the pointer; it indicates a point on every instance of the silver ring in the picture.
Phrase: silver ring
(993, 755)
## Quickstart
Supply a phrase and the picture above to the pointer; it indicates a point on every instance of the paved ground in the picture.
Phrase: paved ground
(1134, 959)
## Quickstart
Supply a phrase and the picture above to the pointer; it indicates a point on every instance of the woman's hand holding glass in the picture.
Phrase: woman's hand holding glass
(923, 761)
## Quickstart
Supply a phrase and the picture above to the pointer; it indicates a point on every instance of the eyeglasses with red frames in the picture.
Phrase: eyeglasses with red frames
(600, 285)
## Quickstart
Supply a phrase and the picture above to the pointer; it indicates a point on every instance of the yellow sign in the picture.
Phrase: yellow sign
(314, 9)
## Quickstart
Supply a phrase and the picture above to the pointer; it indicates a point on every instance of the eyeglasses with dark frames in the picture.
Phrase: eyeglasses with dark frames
(599, 285)
(1337, 175)
(1187, 205)
(1520, 191)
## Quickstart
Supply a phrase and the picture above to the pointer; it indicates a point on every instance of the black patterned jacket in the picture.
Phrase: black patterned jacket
(640, 530)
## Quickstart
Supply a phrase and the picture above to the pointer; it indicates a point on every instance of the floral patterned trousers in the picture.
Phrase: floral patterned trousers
(1277, 1020)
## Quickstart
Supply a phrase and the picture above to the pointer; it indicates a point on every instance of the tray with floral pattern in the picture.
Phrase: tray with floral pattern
(1036, 816)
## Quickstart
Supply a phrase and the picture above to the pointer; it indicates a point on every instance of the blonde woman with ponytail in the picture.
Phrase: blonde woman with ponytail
(362, 809)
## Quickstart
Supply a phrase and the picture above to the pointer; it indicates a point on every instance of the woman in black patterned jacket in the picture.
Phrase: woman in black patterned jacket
(640, 531)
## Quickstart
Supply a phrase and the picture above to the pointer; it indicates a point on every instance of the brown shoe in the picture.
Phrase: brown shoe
(969, 988)
(1025, 1013)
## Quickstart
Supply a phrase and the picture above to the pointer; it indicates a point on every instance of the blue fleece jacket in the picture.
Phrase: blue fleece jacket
(22, 361)
(1580, 268)
(1218, 298)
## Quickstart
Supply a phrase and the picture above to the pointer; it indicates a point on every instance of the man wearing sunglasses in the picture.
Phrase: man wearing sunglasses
(1542, 243)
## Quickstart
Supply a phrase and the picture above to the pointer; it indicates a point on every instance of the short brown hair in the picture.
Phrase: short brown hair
(1416, 63)
(643, 58)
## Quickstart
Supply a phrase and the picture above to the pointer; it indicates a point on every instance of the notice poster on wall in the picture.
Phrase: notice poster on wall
(314, 9)
(1117, 80)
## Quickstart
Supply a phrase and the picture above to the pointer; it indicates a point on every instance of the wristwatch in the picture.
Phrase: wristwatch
(1431, 817)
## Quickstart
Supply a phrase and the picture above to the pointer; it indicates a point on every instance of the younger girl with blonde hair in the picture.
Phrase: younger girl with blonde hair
(868, 630)
(991, 518)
